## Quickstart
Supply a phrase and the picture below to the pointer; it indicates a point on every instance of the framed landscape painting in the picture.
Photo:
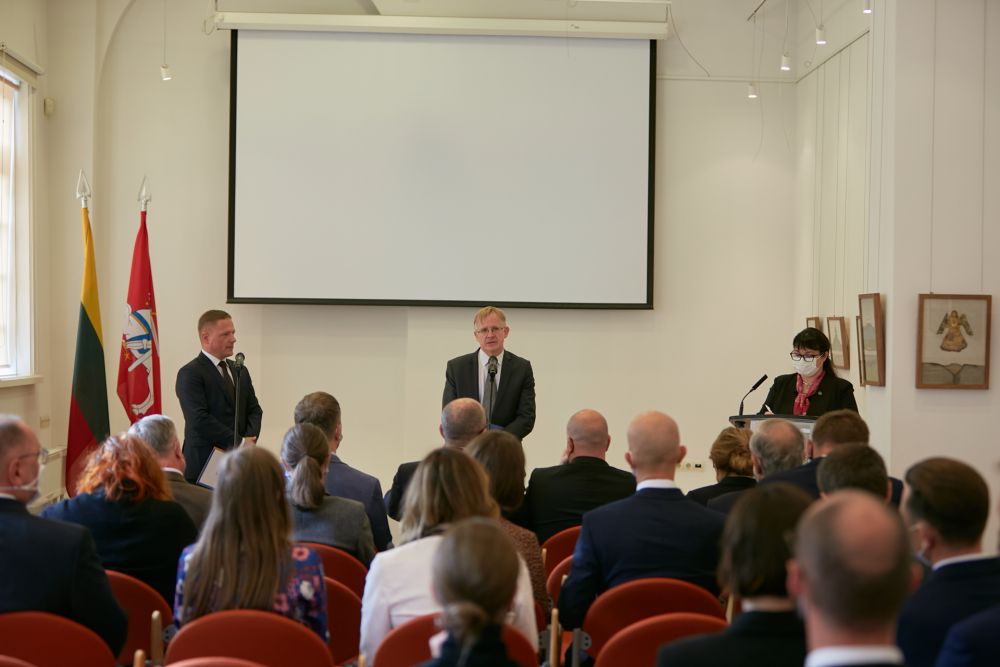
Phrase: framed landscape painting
(815, 322)
(953, 341)
(840, 348)
(871, 340)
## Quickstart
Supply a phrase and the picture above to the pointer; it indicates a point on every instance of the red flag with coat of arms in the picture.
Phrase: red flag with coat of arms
(139, 363)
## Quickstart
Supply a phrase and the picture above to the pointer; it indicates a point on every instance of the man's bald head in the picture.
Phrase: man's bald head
(654, 445)
(587, 434)
(461, 421)
(777, 445)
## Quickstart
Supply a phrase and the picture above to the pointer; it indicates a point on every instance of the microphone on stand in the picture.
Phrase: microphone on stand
(491, 370)
(752, 389)
(238, 362)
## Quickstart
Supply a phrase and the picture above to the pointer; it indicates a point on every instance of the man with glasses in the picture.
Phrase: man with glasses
(500, 380)
(48, 566)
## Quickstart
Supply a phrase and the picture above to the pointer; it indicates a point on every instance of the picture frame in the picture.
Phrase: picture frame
(953, 341)
(861, 361)
(840, 346)
(815, 322)
(871, 340)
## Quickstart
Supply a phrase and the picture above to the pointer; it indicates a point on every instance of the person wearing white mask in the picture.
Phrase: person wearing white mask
(48, 566)
(814, 388)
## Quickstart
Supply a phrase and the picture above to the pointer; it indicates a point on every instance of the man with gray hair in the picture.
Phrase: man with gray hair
(160, 435)
(776, 446)
(461, 421)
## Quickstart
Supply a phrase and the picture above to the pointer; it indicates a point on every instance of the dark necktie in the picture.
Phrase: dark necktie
(489, 392)
(224, 367)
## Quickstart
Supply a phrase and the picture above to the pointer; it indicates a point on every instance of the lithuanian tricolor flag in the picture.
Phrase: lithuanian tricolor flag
(88, 406)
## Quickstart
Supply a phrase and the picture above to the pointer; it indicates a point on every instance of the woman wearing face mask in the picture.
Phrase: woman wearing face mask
(814, 388)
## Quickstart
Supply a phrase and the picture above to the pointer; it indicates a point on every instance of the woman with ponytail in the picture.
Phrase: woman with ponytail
(317, 517)
(474, 579)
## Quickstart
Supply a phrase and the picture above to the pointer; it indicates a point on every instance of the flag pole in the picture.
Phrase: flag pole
(82, 189)
(144, 197)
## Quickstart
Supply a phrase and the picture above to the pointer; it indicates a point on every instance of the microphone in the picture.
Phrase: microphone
(240, 357)
(238, 365)
(752, 389)
(492, 367)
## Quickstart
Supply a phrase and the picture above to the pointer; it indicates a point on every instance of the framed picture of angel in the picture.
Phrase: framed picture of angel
(953, 341)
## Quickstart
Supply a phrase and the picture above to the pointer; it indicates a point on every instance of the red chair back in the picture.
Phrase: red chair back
(343, 613)
(621, 606)
(215, 661)
(553, 585)
(341, 566)
(48, 640)
(8, 661)
(139, 600)
(559, 546)
(262, 636)
(408, 645)
(639, 643)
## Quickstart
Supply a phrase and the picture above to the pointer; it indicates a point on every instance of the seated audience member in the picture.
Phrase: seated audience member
(323, 411)
(47, 566)
(474, 580)
(502, 456)
(854, 466)
(851, 573)
(946, 505)
(776, 446)
(730, 455)
(558, 496)
(244, 558)
(755, 547)
(123, 498)
(973, 642)
(447, 487)
(840, 427)
(654, 533)
(461, 421)
(160, 434)
(317, 517)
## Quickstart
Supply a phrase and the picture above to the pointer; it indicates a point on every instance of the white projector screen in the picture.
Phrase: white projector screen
(441, 170)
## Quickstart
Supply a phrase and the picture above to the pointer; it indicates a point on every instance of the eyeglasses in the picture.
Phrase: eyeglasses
(804, 357)
(42, 455)
(489, 330)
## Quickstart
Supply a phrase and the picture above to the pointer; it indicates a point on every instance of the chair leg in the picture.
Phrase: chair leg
(555, 634)
(140, 658)
(156, 640)
(576, 647)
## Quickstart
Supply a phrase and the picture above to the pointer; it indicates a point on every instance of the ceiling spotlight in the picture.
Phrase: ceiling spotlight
(820, 36)
(867, 7)
(752, 91)
(165, 72)
(786, 63)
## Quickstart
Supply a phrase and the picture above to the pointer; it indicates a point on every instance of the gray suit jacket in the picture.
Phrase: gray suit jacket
(338, 522)
(196, 500)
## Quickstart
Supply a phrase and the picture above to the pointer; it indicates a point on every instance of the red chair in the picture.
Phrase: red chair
(631, 602)
(215, 661)
(48, 640)
(408, 645)
(639, 643)
(559, 546)
(139, 600)
(7, 661)
(342, 566)
(263, 636)
(553, 585)
(343, 614)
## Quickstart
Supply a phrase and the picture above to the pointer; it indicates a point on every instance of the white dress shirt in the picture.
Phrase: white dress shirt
(484, 362)
(854, 655)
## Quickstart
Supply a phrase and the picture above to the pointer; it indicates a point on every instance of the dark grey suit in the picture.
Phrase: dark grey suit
(196, 500)
(514, 403)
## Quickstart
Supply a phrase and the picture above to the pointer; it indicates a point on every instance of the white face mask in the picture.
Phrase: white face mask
(805, 368)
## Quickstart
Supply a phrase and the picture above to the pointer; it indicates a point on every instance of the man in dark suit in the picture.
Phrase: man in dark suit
(558, 496)
(851, 573)
(946, 505)
(48, 566)
(206, 390)
(854, 465)
(656, 532)
(461, 421)
(500, 380)
(322, 410)
(777, 446)
(973, 642)
(160, 435)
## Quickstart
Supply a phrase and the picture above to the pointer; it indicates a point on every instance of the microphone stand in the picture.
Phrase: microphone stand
(237, 438)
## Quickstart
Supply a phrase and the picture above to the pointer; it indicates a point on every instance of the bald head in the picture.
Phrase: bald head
(19, 448)
(777, 445)
(461, 421)
(587, 435)
(654, 446)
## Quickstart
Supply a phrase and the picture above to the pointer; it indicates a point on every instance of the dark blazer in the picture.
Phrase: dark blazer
(724, 503)
(53, 567)
(196, 500)
(558, 496)
(775, 639)
(488, 651)
(804, 477)
(731, 484)
(948, 595)
(834, 393)
(210, 411)
(653, 533)
(143, 539)
(346, 482)
(394, 497)
(973, 642)
(514, 404)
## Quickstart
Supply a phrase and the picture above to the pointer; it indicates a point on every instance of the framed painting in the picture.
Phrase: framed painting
(815, 322)
(871, 340)
(840, 348)
(857, 337)
(953, 341)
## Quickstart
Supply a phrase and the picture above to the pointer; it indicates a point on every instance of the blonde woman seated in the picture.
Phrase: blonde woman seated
(730, 455)
(317, 517)
(448, 486)
(475, 576)
(244, 558)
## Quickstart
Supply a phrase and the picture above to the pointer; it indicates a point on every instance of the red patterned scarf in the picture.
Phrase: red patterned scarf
(801, 405)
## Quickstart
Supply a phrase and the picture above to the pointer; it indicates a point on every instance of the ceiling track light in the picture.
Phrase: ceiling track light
(786, 63)
(866, 8)
(820, 36)
(752, 91)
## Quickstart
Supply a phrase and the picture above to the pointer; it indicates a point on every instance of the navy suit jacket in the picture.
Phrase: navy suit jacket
(210, 411)
(653, 533)
(346, 482)
(514, 403)
(775, 639)
(724, 503)
(834, 393)
(948, 595)
(53, 567)
(731, 484)
(804, 477)
(973, 642)
(400, 481)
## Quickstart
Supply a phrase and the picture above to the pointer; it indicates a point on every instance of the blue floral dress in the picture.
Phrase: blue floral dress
(303, 598)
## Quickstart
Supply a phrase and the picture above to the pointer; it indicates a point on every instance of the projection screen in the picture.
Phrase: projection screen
(441, 170)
